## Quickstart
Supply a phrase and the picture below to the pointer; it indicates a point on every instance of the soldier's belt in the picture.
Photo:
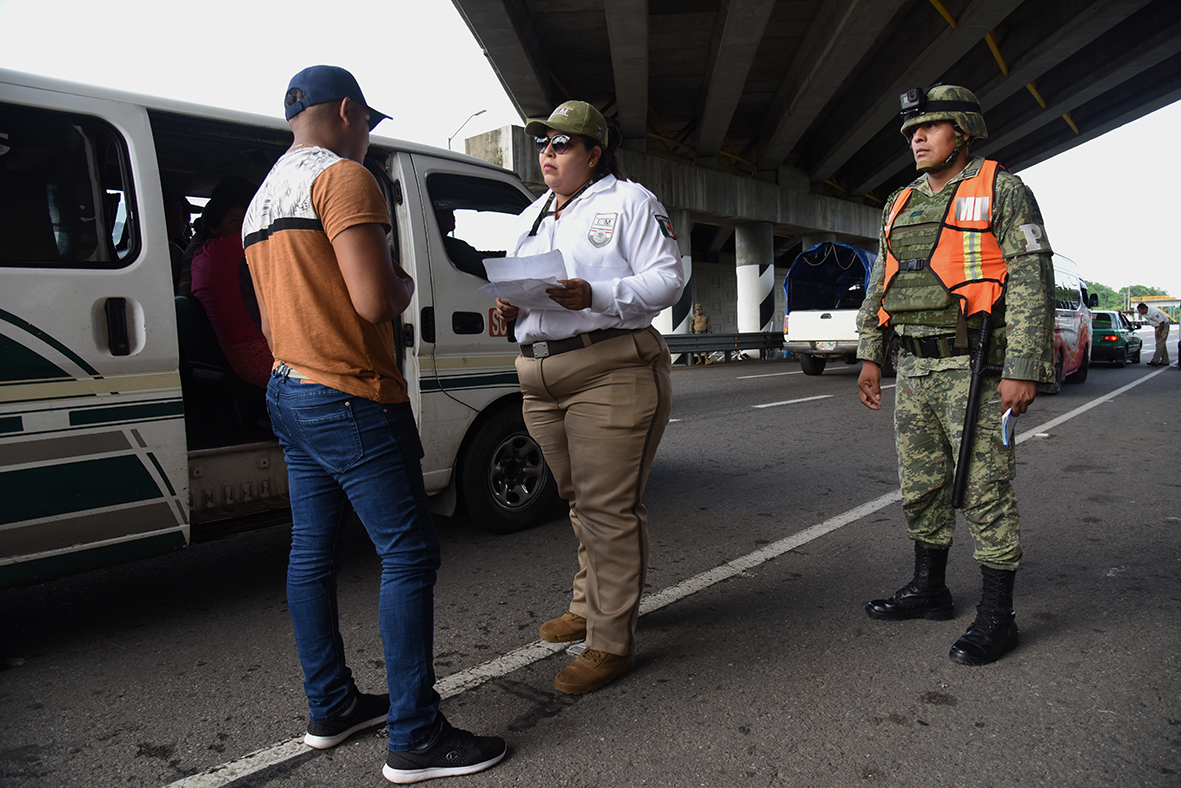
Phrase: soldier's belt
(552, 347)
(938, 347)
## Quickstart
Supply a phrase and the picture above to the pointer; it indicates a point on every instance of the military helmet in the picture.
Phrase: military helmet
(943, 102)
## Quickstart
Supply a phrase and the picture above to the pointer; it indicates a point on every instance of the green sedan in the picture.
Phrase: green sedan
(1114, 339)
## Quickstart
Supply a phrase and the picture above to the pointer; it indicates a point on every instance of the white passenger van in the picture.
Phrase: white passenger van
(117, 441)
(1072, 326)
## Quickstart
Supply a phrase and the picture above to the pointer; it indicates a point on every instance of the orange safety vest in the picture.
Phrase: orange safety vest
(967, 260)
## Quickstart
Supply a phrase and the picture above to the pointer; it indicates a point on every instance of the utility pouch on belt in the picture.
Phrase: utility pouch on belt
(916, 291)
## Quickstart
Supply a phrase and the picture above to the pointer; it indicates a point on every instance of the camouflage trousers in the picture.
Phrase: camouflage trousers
(928, 423)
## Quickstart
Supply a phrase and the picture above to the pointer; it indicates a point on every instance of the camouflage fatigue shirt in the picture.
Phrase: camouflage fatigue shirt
(1028, 333)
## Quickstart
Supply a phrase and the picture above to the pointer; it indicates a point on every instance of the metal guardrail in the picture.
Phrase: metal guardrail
(690, 344)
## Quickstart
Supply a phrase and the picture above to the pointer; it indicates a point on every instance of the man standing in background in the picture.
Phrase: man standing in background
(699, 324)
(1160, 323)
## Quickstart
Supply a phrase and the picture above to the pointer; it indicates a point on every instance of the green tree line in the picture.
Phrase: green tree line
(1123, 300)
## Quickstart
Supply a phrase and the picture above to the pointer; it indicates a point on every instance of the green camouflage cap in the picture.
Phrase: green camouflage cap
(943, 102)
(572, 117)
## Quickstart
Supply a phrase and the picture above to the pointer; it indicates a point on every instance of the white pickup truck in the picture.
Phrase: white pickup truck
(816, 335)
(825, 286)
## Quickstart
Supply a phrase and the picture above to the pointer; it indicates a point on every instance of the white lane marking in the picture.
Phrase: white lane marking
(769, 375)
(1081, 409)
(247, 764)
(763, 554)
(473, 677)
(793, 401)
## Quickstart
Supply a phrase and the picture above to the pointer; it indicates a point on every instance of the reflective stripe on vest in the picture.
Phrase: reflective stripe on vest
(966, 258)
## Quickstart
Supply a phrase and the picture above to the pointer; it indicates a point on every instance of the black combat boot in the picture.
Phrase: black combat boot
(994, 632)
(926, 596)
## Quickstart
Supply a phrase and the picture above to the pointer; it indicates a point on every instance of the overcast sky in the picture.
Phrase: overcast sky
(1104, 203)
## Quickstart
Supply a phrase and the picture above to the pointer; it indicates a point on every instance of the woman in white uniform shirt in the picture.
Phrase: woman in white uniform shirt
(596, 376)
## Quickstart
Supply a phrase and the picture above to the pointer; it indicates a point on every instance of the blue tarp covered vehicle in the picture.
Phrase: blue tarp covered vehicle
(825, 286)
(828, 276)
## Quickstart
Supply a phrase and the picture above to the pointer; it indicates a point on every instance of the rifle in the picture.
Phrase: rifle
(980, 367)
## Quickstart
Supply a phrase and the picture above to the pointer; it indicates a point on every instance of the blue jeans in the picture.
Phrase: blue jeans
(339, 446)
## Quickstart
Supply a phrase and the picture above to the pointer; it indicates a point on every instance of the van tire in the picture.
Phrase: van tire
(1056, 386)
(504, 484)
(1080, 375)
(812, 365)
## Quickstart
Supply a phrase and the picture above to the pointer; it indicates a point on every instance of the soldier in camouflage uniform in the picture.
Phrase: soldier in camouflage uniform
(699, 324)
(935, 306)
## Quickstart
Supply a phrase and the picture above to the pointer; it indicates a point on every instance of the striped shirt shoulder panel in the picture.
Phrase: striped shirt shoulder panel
(284, 201)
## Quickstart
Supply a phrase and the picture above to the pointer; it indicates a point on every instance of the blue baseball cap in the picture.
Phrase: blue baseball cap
(322, 84)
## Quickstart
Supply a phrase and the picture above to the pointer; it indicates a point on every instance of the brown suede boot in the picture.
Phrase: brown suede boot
(592, 670)
(564, 628)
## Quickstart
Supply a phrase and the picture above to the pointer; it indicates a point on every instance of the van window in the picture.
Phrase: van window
(65, 192)
(475, 217)
(1067, 290)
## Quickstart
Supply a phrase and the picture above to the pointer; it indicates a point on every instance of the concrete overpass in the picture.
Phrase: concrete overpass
(767, 125)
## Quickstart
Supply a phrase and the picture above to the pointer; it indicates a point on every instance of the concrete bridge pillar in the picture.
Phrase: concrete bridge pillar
(754, 247)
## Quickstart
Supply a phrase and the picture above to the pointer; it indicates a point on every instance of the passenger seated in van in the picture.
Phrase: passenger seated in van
(216, 271)
(178, 212)
(465, 256)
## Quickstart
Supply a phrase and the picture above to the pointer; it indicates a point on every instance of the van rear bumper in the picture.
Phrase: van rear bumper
(833, 348)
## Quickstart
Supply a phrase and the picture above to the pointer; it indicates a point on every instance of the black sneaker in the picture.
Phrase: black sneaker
(449, 752)
(367, 711)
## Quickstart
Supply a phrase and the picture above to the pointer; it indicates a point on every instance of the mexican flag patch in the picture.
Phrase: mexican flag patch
(666, 227)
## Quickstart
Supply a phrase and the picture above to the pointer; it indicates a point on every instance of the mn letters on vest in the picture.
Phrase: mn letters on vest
(966, 258)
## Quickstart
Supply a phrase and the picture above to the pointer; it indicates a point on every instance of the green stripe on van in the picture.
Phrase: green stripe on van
(24, 573)
(11, 424)
(53, 490)
(151, 410)
(25, 325)
(464, 382)
(18, 362)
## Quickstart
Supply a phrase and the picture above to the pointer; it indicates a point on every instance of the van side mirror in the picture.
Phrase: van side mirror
(1093, 300)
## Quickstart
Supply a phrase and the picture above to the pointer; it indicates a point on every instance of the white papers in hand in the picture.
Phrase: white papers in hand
(522, 281)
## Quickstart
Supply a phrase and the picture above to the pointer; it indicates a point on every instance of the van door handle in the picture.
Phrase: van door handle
(117, 327)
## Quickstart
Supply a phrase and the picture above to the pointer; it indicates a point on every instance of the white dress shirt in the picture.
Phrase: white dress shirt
(615, 235)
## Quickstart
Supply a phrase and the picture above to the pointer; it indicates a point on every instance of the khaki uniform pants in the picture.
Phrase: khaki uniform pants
(928, 424)
(598, 414)
(1161, 356)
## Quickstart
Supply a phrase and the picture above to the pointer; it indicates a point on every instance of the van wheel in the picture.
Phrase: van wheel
(890, 363)
(1081, 374)
(812, 365)
(504, 484)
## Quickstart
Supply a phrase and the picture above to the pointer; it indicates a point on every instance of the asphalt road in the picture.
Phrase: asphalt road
(765, 673)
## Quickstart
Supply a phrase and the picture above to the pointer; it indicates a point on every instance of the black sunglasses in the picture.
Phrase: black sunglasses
(560, 143)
